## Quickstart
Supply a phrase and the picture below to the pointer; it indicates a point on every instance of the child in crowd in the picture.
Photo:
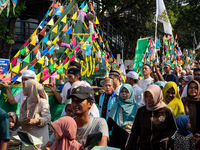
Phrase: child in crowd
(14, 127)
(183, 138)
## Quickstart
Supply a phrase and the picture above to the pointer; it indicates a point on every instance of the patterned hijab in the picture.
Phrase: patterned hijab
(14, 116)
(34, 91)
(66, 128)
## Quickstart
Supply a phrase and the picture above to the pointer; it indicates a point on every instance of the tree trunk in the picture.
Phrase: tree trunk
(5, 52)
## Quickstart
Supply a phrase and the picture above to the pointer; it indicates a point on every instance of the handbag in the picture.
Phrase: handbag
(127, 127)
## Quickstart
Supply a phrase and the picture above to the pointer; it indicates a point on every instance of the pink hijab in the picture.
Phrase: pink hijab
(157, 94)
(66, 127)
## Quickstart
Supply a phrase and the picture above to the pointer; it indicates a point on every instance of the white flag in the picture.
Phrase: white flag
(163, 17)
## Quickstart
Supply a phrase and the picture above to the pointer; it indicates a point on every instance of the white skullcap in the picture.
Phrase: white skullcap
(183, 71)
(27, 73)
(132, 75)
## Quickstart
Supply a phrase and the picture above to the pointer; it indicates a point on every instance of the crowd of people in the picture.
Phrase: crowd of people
(160, 111)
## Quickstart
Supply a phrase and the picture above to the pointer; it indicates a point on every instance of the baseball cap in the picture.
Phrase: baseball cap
(74, 63)
(132, 75)
(114, 73)
(188, 78)
(82, 92)
(168, 64)
(74, 71)
(183, 71)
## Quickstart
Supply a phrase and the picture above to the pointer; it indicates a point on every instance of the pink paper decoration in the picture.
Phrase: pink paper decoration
(65, 61)
(93, 38)
(45, 77)
(54, 75)
(45, 71)
(14, 60)
(74, 42)
(25, 44)
(76, 48)
(7, 78)
(72, 59)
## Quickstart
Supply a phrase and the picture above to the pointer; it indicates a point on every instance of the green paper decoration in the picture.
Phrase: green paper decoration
(102, 53)
(60, 71)
(114, 66)
(51, 67)
(23, 50)
(27, 59)
(85, 8)
(70, 55)
(90, 39)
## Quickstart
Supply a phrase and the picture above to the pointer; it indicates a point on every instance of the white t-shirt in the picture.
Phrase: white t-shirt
(144, 83)
(184, 93)
(63, 94)
(117, 90)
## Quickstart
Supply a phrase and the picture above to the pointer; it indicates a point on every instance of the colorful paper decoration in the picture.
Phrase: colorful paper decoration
(25, 68)
(15, 77)
(27, 59)
(38, 77)
(42, 32)
(51, 22)
(41, 61)
(16, 68)
(69, 31)
(45, 71)
(45, 51)
(65, 28)
(14, 60)
(64, 19)
(54, 75)
(74, 16)
(46, 39)
(55, 29)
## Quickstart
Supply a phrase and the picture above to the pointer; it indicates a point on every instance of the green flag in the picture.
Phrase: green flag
(60, 71)
(23, 50)
(27, 59)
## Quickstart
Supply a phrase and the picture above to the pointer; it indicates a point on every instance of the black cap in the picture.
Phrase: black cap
(74, 71)
(115, 73)
(82, 93)
(74, 63)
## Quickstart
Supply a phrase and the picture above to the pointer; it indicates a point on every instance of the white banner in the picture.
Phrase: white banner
(163, 17)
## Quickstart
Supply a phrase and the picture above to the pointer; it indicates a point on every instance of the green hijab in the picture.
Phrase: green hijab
(129, 107)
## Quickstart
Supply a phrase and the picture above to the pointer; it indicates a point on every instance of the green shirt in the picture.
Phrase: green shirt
(4, 126)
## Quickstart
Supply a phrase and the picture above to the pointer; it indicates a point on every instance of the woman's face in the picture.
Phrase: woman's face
(148, 99)
(188, 125)
(69, 110)
(124, 94)
(11, 123)
(184, 83)
(192, 89)
(57, 136)
(170, 95)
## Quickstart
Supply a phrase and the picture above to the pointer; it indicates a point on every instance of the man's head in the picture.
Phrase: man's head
(187, 79)
(146, 70)
(116, 77)
(129, 67)
(167, 68)
(187, 71)
(183, 73)
(108, 85)
(197, 74)
(82, 100)
(28, 74)
(75, 64)
(73, 75)
(132, 78)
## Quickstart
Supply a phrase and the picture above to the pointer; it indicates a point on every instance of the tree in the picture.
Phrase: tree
(7, 28)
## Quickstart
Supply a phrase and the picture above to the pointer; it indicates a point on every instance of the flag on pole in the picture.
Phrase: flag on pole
(163, 17)
(194, 42)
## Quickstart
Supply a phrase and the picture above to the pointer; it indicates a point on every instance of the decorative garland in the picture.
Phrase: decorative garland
(89, 72)
(93, 66)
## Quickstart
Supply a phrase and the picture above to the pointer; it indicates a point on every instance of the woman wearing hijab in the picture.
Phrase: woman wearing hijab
(35, 107)
(173, 99)
(192, 105)
(65, 134)
(121, 117)
(13, 144)
(153, 123)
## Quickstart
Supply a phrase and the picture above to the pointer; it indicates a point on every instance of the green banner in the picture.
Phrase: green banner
(142, 45)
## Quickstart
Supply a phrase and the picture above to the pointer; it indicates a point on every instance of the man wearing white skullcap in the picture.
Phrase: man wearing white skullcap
(19, 98)
(132, 79)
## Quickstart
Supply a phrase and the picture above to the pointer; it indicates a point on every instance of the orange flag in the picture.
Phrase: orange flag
(65, 28)
(42, 32)
(91, 7)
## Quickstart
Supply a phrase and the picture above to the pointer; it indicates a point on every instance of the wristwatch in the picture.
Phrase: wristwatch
(34, 121)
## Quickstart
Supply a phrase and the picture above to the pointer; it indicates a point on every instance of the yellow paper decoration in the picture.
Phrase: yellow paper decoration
(74, 16)
(61, 9)
(50, 12)
(97, 21)
(38, 77)
(55, 66)
(46, 81)
(17, 54)
(66, 65)
(10, 67)
(51, 60)
(51, 22)
(41, 61)
(103, 45)
(94, 49)
(55, 30)
(84, 46)
(66, 51)
(33, 42)
(85, 25)
(64, 19)
(55, 40)
(24, 69)
(34, 34)
(59, 66)
(16, 68)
